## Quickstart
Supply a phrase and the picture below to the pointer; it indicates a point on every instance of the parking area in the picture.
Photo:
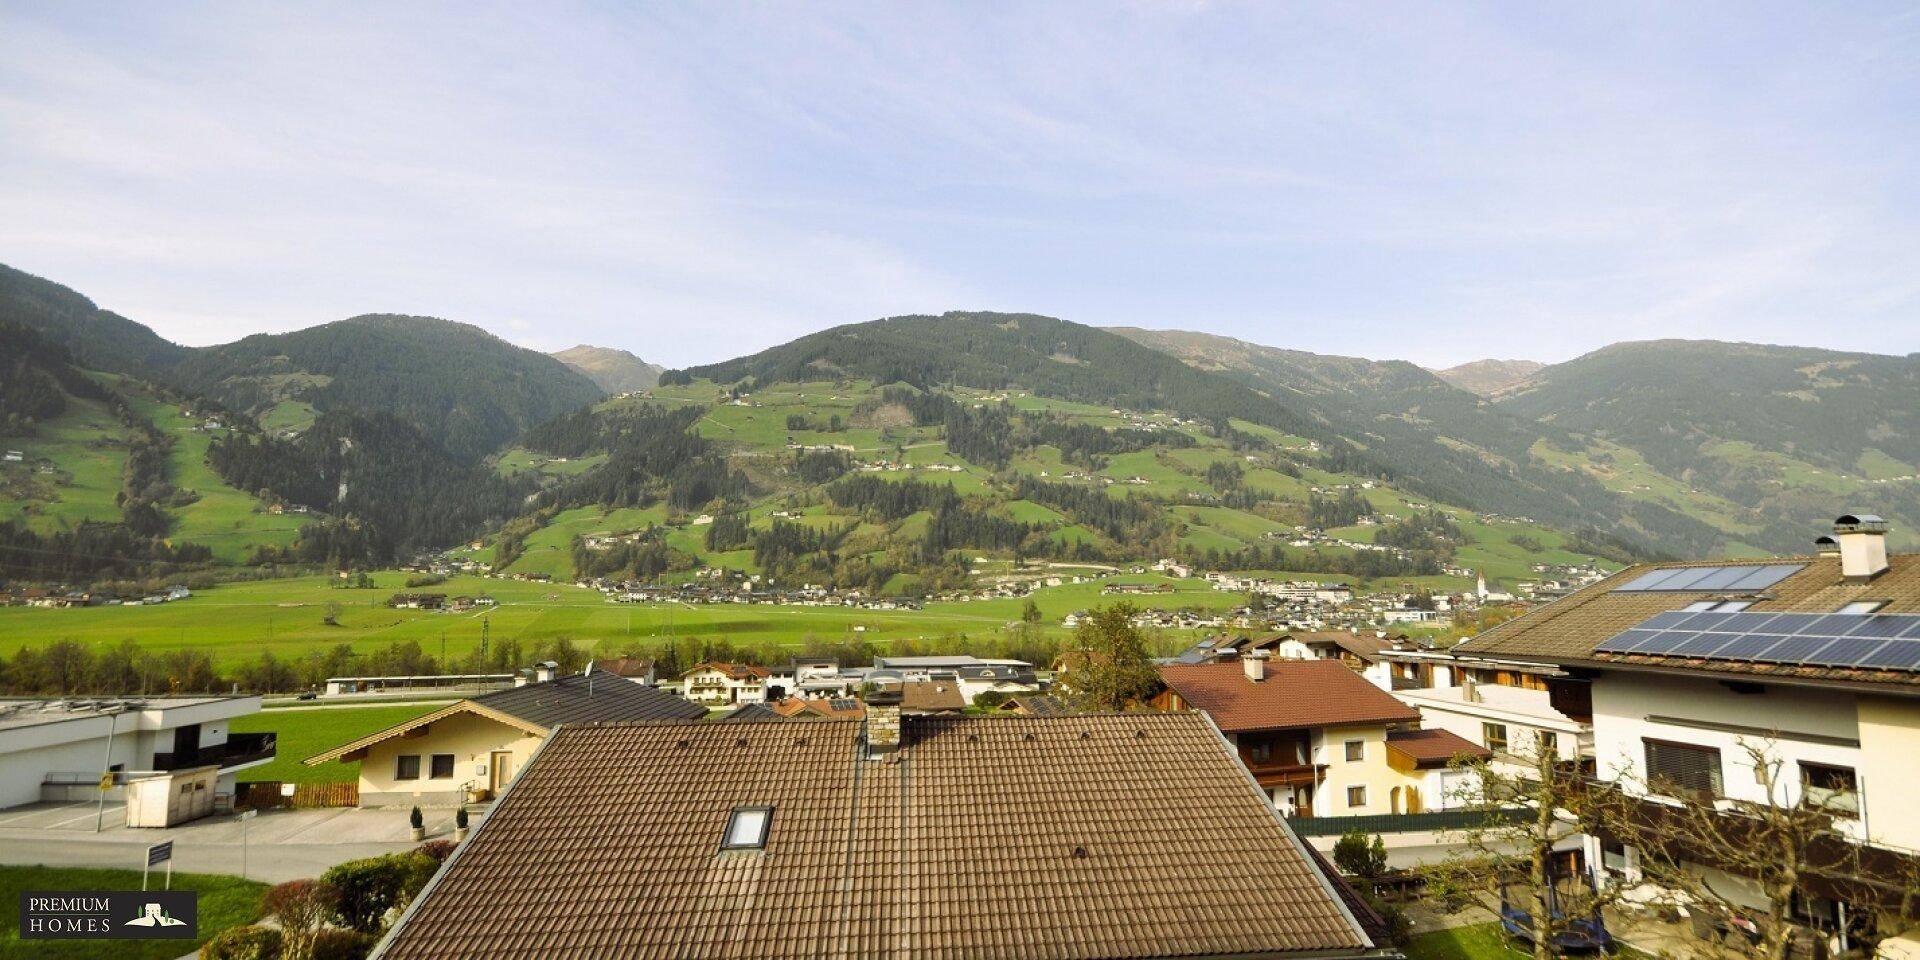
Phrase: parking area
(275, 846)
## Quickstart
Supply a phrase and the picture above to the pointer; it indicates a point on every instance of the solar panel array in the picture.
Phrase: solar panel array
(1858, 641)
(1734, 578)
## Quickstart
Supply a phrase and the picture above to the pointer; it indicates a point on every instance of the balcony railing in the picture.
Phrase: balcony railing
(240, 748)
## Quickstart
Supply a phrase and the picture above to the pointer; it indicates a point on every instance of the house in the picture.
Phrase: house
(837, 708)
(1680, 668)
(1357, 650)
(479, 743)
(718, 684)
(924, 668)
(927, 836)
(996, 678)
(61, 749)
(1313, 733)
(1499, 704)
(637, 670)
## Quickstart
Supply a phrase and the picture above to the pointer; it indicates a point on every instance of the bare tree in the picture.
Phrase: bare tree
(1532, 803)
(1787, 835)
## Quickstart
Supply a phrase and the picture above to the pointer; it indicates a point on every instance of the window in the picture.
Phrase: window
(747, 828)
(1356, 796)
(1683, 767)
(406, 767)
(1700, 606)
(1260, 752)
(1860, 607)
(1495, 734)
(442, 766)
(1722, 606)
(1733, 606)
(1829, 788)
(1356, 751)
(1549, 743)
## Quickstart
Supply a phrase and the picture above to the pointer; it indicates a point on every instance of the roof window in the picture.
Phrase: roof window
(1860, 607)
(747, 828)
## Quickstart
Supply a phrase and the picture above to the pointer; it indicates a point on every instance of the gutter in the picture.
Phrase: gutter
(386, 941)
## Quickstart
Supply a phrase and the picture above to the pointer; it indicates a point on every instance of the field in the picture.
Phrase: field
(87, 446)
(224, 902)
(236, 622)
(305, 731)
(228, 521)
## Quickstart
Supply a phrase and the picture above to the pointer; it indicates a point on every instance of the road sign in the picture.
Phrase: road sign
(159, 853)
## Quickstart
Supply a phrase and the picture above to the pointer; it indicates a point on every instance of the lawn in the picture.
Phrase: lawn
(305, 731)
(224, 902)
(1481, 941)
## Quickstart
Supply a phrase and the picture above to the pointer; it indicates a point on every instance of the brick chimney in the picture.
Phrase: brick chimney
(1255, 665)
(1863, 545)
(883, 720)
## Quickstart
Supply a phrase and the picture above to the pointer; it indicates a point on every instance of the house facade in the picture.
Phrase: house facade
(481, 743)
(60, 749)
(1682, 672)
(715, 684)
(1317, 737)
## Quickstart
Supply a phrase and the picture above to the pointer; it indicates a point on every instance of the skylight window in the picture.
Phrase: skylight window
(747, 828)
(1860, 607)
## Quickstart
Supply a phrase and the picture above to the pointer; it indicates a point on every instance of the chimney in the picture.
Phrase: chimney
(545, 670)
(1863, 545)
(1255, 664)
(1826, 546)
(883, 720)
(1469, 689)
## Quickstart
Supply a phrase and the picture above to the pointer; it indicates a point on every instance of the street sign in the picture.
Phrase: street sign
(159, 853)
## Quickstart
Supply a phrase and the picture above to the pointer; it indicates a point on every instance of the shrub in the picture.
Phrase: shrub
(1399, 928)
(460, 819)
(1360, 855)
(342, 945)
(369, 888)
(243, 943)
(301, 907)
(415, 819)
(439, 850)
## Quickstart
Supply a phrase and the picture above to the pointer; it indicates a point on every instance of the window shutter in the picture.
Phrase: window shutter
(1689, 768)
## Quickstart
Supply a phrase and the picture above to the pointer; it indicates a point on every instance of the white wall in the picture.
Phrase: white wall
(1623, 703)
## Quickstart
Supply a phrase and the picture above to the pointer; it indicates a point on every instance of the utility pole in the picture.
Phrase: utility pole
(106, 772)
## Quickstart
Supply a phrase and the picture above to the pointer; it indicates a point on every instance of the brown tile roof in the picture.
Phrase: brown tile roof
(1295, 693)
(1036, 706)
(838, 708)
(624, 666)
(1567, 630)
(1366, 646)
(1435, 748)
(932, 696)
(980, 837)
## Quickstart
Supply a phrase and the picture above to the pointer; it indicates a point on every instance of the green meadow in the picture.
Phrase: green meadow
(306, 731)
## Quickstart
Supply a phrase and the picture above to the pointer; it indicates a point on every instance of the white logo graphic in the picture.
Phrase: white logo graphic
(154, 916)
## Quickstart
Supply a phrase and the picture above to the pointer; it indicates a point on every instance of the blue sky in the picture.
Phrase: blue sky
(1435, 182)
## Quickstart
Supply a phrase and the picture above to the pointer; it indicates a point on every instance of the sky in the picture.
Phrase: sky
(1431, 182)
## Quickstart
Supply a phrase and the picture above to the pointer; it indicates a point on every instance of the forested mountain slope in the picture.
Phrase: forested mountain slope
(98, 339)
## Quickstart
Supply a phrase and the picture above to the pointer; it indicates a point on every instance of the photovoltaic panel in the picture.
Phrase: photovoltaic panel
(1876, 641)
(1739, 578)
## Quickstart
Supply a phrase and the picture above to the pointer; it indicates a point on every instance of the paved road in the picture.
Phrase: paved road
(279, 845)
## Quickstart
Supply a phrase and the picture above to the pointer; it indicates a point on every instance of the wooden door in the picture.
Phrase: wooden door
(499, 770)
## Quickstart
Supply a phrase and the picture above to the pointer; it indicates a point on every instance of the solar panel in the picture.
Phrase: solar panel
(1872, 641)
(1740, 578)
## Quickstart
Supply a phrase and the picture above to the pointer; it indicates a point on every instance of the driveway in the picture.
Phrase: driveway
(276, 846)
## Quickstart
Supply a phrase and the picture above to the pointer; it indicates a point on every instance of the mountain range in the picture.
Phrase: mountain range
(386, 434)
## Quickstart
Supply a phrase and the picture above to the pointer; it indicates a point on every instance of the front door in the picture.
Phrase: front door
(499, 771)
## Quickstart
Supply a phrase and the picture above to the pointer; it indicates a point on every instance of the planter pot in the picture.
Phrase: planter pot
(459, 834)
(419, 834)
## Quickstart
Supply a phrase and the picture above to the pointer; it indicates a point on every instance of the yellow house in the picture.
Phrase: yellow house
(1319, 739)
(479, 744)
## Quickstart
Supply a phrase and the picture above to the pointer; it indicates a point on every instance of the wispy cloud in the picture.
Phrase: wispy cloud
(692, 182)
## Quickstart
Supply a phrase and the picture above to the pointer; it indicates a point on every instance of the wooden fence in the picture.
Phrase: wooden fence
(266, 794)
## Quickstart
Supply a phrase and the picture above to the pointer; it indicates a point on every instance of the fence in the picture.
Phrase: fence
(267, 794)
(1433, 821)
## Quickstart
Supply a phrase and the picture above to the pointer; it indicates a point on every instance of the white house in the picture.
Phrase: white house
(61, 749)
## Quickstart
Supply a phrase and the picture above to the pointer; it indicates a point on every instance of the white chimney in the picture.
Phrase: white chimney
(1826, 546)
(1255, 664)
(1863, 545)
(545, 670)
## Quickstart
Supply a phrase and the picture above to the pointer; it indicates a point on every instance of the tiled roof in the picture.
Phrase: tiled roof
(1435, 748)
(1295, 694)
(1567, 630)
(980, 837)
(624, 666)
(1036, 706)
(1366, 646)
(931, 696)
(837, 708)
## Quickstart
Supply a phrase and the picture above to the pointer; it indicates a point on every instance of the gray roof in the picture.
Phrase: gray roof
(751, 712)
(588, 698)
